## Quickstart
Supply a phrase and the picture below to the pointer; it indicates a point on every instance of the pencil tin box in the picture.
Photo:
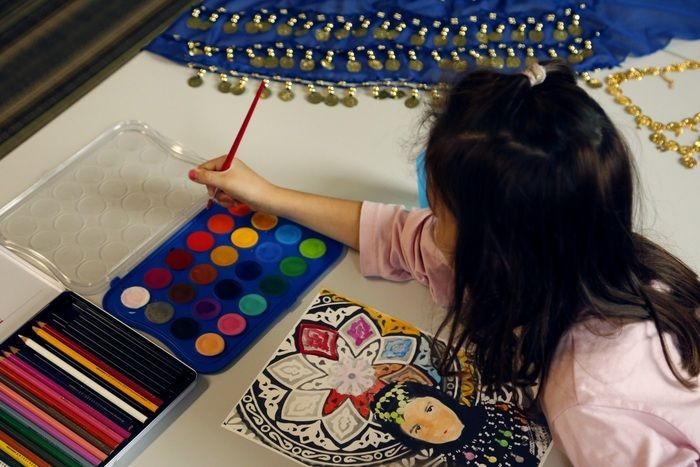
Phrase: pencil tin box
(92, 391)
(120, 221)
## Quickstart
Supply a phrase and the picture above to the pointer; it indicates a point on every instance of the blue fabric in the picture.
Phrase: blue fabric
(422, 181)
(616, 29)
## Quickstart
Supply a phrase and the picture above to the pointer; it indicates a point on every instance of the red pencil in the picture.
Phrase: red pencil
(65, 434)
(51, 398)
(68, 342)
(239, 137)
(66, 395)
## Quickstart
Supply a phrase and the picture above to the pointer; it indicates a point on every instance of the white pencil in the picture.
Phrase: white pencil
(77, 374)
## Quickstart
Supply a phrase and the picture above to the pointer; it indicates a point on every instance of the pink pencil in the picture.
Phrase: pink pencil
(77, 405)
(57, 423)
(239, 137)
(120, 432)
(49, 424)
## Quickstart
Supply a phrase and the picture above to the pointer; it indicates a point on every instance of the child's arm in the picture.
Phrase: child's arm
(336, 218)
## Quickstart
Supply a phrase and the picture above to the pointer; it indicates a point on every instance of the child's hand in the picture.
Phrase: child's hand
(238, 184)
(337, 218)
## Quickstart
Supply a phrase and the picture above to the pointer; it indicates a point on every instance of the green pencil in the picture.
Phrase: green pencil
(34, 441)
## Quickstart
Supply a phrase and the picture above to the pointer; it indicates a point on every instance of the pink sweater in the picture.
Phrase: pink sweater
(610, 398)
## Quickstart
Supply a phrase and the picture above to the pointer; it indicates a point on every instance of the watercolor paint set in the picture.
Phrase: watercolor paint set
(121, 222)
(222, 279)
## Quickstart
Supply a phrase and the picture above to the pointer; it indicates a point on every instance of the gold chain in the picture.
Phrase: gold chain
(657, 129)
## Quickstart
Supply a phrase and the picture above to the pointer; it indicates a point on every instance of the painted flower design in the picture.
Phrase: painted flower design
(338, 370)
(351, 376)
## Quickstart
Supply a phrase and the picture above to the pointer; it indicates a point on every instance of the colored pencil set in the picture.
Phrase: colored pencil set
(76, 386)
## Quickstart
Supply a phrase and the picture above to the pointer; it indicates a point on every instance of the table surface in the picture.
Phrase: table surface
(361, 153)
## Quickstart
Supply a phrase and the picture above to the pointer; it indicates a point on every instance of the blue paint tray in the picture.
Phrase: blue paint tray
(211, 289)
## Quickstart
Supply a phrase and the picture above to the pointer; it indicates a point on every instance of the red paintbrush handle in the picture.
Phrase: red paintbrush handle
(234, 147)
(241, 131)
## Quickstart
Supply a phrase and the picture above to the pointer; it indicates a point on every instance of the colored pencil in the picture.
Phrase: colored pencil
(26, 439)
(133, 351)
(78, 389)
(110, 355)
(62, 423)
(88, 365)
(97, 361)
(21, 453)
(59, 407)
(137, 343)
(113, 430)
(236, 142)
(7, 461)
(53, 434)
(61, 432)
(84, 379)
(52, 449)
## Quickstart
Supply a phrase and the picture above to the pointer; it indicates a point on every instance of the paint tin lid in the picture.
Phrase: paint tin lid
(105, 208)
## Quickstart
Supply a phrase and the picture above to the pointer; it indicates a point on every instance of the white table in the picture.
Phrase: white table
(361, 153)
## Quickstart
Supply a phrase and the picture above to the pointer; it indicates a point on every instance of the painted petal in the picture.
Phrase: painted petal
(293, 371)
(334, 400)
(396, 349)
(359, 331)
(317, 339)
(344, 423)
(423, 360)
(304, 406)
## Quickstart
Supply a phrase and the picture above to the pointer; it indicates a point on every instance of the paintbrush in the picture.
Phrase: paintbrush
(239, 137)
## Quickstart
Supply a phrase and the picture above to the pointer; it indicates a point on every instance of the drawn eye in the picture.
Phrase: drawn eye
(428, 408)
(415, 429)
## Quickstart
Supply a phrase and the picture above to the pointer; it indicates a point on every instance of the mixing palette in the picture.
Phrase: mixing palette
(215, 285)
(105, 208)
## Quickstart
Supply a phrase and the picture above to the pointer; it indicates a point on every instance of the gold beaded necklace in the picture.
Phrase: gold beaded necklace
(657, 129)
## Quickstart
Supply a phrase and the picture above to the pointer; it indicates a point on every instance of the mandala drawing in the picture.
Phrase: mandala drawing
(352, 386)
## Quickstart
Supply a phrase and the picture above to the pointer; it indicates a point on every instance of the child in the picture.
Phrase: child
(529, 245)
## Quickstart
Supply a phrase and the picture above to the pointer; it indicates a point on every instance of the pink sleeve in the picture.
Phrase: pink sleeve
(399, 245)
(597, 435)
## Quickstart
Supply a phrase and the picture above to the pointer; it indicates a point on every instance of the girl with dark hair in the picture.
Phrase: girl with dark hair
(529, 244)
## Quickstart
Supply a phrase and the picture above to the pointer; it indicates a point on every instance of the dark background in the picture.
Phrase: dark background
(52, 52)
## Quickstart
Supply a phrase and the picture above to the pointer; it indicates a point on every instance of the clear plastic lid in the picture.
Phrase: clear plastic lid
(103, 210)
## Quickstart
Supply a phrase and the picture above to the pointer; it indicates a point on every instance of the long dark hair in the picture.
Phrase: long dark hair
(541, 185)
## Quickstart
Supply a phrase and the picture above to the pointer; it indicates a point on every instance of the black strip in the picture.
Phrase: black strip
(67, 39)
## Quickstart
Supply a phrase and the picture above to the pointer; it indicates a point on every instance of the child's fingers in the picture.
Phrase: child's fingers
(211, 178)
(224, 200)
(213, 164)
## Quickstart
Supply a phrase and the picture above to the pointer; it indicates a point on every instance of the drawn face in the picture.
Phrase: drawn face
(431, 421)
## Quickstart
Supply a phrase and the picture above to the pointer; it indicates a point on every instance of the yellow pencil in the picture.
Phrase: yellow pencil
(16, 455)
(95, 369)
